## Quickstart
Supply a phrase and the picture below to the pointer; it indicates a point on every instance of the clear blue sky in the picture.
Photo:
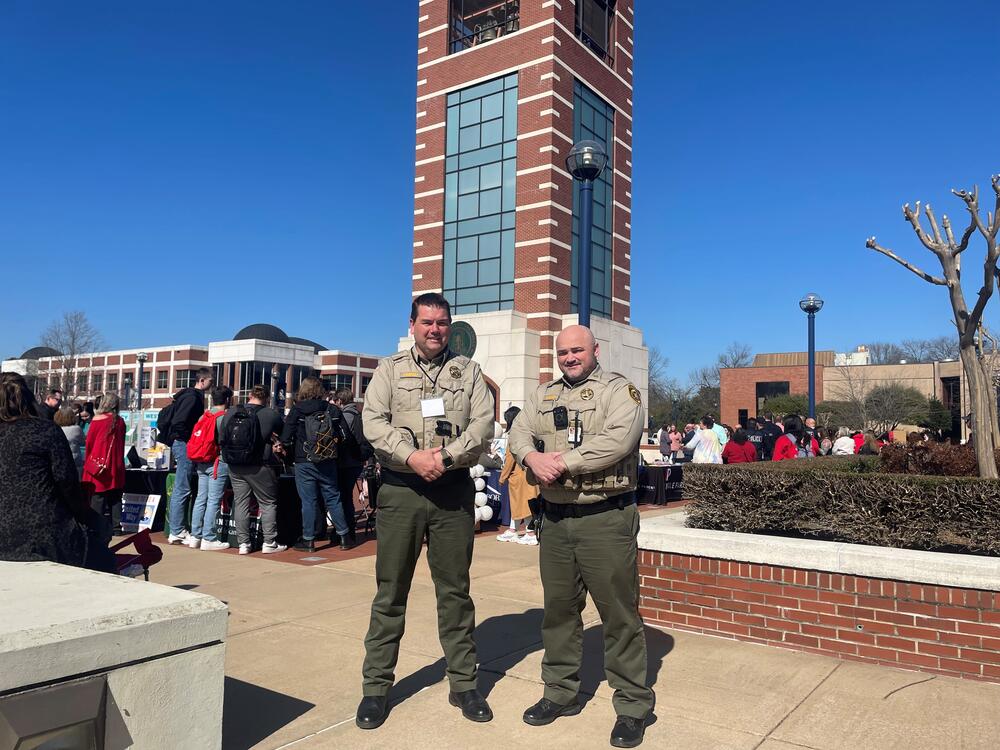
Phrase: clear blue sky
(181, 169)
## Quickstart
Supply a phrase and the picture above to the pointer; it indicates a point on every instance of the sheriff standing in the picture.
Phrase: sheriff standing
(429, 416)
(579, 436)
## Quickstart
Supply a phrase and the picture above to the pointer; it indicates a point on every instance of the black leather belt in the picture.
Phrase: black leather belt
(557, 511)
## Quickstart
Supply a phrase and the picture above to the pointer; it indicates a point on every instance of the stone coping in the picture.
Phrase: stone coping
(667, 533)
(59, 621)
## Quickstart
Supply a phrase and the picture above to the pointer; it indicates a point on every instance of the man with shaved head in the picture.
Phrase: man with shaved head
(578, 437)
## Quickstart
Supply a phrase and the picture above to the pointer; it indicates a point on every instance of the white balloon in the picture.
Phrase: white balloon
(486, 512)
(480, 499)
(480, 470)
(479, 515)
(480, 485)
(472, 472)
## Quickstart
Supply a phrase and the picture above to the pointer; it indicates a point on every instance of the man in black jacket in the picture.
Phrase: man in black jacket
(355, 451)
(771, 434)
(315, 481)
(756, 436)
(47, 409)
(189, 405)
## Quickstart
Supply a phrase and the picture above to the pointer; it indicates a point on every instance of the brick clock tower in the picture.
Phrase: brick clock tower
(504, 89)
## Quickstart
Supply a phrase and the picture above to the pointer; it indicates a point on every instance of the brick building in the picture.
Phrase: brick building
(742, 390)
(248, 359)
(504, 88)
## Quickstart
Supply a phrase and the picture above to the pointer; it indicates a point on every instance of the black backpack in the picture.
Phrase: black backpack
(323, 433)
(163, 420)
(241, 443)
(355, 443)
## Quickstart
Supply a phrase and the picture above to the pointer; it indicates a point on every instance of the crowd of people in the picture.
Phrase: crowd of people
(762, 439)
(320, 441)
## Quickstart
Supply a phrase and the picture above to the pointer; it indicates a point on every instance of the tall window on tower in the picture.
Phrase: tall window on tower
(595, 26)
(594, 119)
(479, 196)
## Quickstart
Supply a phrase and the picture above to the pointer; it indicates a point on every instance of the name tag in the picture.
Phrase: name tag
(432, 407)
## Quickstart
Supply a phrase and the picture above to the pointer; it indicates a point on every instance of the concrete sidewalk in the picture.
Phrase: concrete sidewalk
(295, 648)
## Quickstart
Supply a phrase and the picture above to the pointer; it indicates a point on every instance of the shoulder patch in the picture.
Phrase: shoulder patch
(634, 393)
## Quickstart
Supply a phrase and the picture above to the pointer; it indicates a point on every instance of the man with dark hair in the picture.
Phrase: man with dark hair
(212, 478)
(756, 436)
(48, 408)
(189, 404)
(256, 475)
(429, 416)
(355, 452)
(771, 434)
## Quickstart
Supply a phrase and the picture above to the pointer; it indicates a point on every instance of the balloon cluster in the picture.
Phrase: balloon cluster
(483, 511)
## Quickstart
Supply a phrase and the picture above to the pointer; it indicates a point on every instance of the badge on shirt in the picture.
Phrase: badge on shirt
(455, 372)
(432, 407)
(586, 394)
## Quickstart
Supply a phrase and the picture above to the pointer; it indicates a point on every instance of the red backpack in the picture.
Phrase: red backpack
(203, 447)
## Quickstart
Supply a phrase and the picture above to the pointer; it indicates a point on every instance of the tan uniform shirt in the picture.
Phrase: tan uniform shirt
(604, 463)
(393, 421)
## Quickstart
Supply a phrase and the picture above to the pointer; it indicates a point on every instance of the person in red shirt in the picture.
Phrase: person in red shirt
(104, 465)
(796, 442)
(739, 450)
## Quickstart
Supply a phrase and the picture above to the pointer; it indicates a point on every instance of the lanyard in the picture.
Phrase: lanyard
(434, 380)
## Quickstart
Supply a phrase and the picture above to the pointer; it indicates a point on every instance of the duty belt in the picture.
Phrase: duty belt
(557, 511)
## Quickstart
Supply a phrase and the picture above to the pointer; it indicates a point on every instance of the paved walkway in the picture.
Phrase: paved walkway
(295, 649)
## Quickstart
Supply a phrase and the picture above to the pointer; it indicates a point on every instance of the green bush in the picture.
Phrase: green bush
(846, 499)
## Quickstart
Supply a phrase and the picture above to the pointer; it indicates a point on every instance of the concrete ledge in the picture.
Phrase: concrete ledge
(668, 533)
(60, 621)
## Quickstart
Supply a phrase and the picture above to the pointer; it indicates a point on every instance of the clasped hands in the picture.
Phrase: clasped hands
(547, 467)
(428, 463)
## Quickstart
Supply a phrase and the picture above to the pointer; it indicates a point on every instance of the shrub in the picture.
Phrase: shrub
(936, 459)
(846, 499)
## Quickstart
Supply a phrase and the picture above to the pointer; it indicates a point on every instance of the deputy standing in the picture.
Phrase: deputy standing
(429, 416)
(579, 437)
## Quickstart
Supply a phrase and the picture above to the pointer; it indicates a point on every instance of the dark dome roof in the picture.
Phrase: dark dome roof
(317, 348)
(37, 352)
(263, 331)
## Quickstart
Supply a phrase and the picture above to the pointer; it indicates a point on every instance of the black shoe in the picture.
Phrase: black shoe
(305, 545)
(321, 536)
(545, 712)
(372, 711)
(628, 732)
(345, 542)
(474, 706)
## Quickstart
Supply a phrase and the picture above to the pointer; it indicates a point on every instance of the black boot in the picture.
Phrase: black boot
(545, 712)
(305, 545)
(372, 711)
(474, 706)
(628, 732)
(345, 542)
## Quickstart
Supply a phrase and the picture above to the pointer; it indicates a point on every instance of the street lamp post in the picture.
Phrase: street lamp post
(141, 357)
(585, 161)
(275, 374)
(810, 305)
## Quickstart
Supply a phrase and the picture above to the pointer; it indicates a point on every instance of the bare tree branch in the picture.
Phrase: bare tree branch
(872, 244)
(929, 212)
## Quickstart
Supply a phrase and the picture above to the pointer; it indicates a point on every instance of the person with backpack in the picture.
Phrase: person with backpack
(245, 439)
(354, 454)
(313, 431)
(175, 424)
(212, 471)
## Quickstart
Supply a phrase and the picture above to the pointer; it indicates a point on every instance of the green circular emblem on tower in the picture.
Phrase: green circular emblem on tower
(463, 339)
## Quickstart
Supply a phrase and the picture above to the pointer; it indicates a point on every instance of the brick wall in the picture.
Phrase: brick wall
(738, 387)
(952, 631)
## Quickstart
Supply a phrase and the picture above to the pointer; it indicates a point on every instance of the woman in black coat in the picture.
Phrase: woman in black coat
(42, 504)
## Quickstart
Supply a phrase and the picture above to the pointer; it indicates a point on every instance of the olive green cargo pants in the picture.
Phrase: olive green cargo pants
(597, 554)
(447, 518)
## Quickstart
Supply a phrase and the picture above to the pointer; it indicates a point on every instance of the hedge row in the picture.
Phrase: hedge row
(846, 499)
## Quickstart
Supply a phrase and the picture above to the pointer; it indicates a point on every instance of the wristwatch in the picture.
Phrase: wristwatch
(447, 460)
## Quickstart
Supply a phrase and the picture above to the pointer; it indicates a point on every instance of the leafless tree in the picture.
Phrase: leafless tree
(915, 350)
(852, 388)
(882, 353)
(735, 355)
(948, 250)
(72, 336)
(942, 347)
